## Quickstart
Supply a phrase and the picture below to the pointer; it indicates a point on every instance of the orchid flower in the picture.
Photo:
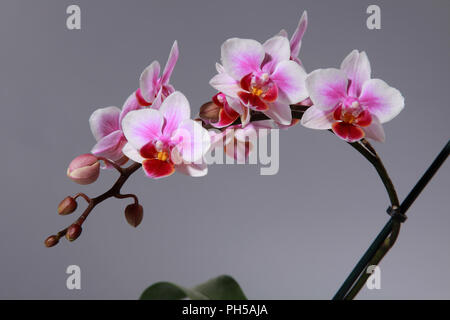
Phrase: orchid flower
(349, 102)
(153, 88)
(106, 127)
(166, 140)
(261, 77)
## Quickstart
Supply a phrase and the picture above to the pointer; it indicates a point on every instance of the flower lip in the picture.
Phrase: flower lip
(353, 114)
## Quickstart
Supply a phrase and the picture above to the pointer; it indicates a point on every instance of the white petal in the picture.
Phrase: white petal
(104, 121)
(290, 78)
(327, 87)
(381, 99)
(132, 153)
(357, 67)
(315, 118)
(241, 56)
(148, 82)
(375, 131)
(175, 109)
(280, 112)
(142, 126)
(225, 84)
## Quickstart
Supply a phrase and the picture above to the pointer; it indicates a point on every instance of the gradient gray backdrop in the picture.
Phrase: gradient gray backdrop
(293, 235)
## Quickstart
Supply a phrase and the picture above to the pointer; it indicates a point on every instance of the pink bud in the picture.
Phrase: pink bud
(84, 169)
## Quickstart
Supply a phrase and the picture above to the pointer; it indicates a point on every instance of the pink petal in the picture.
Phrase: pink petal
(175, 109)
(296, 40)
(348, 132)
(381, 100)
(375, 130)
(280, 112)
(315, 118)
(226, 117)
(327, 87)
(170, 64)
(142, 126)
(156, 169)
(130, 104)
(290, 80)
(277, 49)
(241, 57)
(104, 121)
(357, 67)
(226, 84)
(192, 140)
(148, 82)
(110, 146)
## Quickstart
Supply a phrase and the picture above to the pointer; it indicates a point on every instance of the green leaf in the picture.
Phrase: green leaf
(221, 288)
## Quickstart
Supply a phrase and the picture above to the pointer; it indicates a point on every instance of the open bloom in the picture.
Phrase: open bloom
(106, 127)
(349, 102)
(167, 139)
(261, 77)
(153, 88)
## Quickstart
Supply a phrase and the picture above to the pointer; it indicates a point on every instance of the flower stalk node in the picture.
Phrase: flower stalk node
(396, 213)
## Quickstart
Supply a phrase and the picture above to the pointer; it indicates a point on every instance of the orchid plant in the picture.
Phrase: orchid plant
(259, 86)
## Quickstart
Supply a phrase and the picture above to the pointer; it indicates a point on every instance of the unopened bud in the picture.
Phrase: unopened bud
(84, 169)
(67, 206)
(134, 214)
(73, 232)
(51, 241)
(209, 112)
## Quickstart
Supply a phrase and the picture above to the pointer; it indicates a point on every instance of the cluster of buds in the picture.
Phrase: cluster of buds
(85, 169)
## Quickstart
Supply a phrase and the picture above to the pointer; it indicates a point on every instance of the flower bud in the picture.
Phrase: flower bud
(84, 169)
(209, 112)
(73, 232)
(67, 206)
(134, 214)
(51, 241)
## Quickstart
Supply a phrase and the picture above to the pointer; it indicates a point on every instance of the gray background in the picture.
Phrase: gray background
(293, 235)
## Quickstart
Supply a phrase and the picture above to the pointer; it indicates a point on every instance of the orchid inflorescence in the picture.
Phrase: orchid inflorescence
(259, 86)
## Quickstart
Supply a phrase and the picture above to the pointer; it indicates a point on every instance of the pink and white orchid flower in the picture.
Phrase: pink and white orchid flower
(106, 127)
(153, 88)
(261, 77)
(166, 140)
(349, 102)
